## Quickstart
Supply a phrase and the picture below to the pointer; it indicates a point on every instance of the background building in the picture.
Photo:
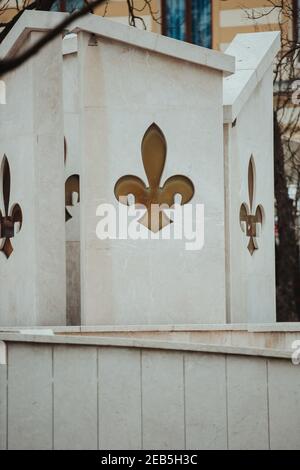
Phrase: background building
(210, 23)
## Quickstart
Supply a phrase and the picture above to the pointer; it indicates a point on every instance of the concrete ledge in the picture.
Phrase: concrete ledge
(144, 344)
(251, 327)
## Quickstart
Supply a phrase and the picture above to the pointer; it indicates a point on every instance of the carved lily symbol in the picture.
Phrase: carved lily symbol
(10, 218)
(248, 220)
(154, 150)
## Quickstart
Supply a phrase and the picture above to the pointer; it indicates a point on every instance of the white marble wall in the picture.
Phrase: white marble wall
(31, 136)
(66, 397)
(124, 89)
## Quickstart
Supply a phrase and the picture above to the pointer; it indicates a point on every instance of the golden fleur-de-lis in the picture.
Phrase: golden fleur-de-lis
(248, 219)
(10, 217)
(154, 150)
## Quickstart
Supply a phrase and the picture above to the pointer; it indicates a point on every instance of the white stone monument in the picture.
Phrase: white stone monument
(115, 112)
(120, 113)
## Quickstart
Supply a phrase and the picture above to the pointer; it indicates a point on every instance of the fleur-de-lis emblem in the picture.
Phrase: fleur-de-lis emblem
(154, 151)
(248, 220)
(72, 186)
(10, 217)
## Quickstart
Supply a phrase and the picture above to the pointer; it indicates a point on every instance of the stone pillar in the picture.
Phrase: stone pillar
(125, 87)
(32, 278)
(72, 177)
(249, 179)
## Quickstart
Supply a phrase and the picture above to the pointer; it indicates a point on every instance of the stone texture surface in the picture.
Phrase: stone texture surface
(3, 406)
(29, 397)
(247, 391)
(205, 398)
(73, 282)
(75, 398)
(163, 400)
(120, 418)
(284, 403)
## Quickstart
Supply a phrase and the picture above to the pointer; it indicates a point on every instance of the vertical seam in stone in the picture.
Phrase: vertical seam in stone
(141, 387)
(184, 399)
(98, 408)
(7, 395)
(268, 403)
(227, 272)
(52, 386)
(226, 389)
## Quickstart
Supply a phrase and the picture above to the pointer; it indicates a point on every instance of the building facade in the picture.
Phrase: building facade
(209, 23)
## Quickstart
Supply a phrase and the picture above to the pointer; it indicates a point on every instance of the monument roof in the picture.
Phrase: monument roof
(103, 27)
(254, 53)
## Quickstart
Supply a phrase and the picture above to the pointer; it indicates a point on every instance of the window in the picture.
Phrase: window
(188, 20)
(67, 5)
(296, 20)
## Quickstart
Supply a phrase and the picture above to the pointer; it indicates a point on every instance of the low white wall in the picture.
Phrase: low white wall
(55, 394)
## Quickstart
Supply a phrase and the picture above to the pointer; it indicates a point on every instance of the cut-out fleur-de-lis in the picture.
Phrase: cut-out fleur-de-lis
(248, 219)
(72, 186)
(154, 150)
(10, 217)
